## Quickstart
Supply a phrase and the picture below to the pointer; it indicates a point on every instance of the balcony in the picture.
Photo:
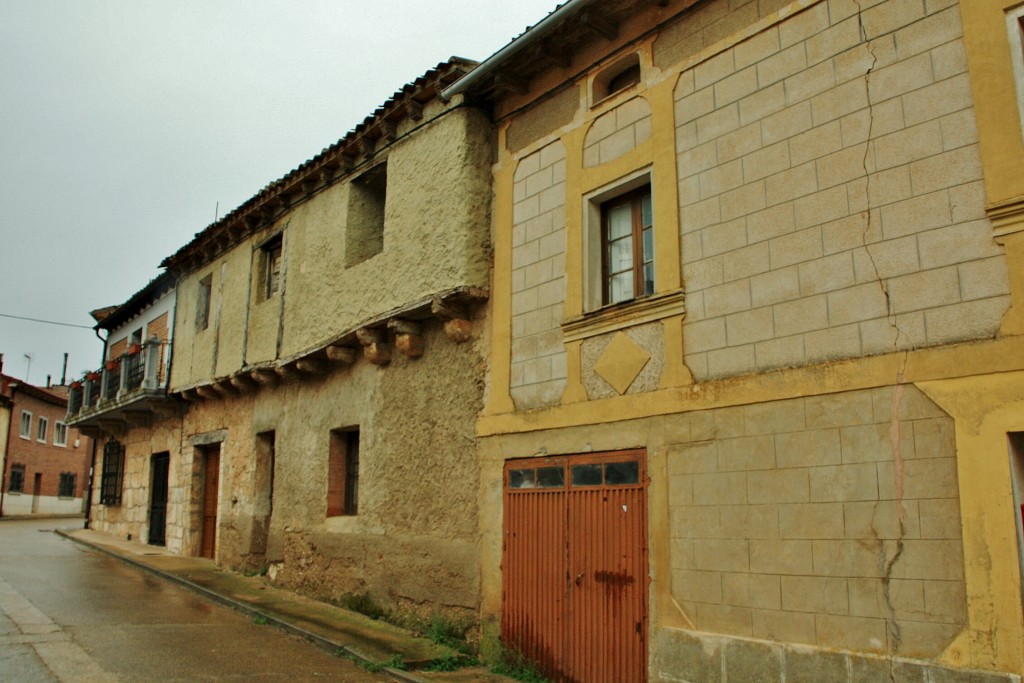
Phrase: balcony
(127, 391)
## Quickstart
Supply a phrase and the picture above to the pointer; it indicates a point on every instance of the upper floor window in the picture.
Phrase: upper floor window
(44, 427)
(269, 268)
(621, 75)
(60, 434)
(26, 425)
(628, 247)
(364, 226)
(203, 302)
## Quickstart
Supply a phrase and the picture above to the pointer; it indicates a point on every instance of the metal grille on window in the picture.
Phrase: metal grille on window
(113, 473)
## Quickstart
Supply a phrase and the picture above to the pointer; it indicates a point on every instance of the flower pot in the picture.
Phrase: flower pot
(134, 349)
(111, 365)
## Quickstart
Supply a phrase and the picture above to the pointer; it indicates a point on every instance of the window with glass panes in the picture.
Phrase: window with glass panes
(628, 247)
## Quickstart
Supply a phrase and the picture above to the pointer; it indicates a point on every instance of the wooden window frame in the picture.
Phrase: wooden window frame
(343, 474)
(42, 429)
(25, 429)
(635, 199)
(60, 434)
(270, 267)
(203, 299)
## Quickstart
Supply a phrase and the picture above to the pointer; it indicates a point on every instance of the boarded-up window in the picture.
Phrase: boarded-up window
(203, 302)
(269, 269)
(343, 473)
(364, 226)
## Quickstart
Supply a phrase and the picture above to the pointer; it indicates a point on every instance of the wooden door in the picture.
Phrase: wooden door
(574, 572)
(211, 481)
(160, 464)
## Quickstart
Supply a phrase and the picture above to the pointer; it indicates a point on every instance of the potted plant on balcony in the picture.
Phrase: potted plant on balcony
(111, 364)
(92, 376)
(134, 349)
(76, 384)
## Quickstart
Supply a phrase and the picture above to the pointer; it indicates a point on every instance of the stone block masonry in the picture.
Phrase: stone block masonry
(830, 187)
(538, 278)
(830, 521)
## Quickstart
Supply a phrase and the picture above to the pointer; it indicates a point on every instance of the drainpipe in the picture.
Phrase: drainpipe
(88, 489)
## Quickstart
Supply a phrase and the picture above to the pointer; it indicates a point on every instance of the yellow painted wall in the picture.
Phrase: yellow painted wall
(976, 382)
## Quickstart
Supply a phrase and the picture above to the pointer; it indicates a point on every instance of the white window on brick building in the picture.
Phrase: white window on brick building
(60, 434)
(26, 425)
(44, 427)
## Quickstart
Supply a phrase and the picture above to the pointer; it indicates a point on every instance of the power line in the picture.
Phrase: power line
(48, 322)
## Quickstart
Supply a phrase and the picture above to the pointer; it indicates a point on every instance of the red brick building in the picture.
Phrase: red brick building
(45, 463)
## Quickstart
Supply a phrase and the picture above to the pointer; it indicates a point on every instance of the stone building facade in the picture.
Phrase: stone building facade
(758, 263)
(328, 365)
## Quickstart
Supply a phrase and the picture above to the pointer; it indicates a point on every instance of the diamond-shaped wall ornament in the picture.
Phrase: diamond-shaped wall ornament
(621, 362)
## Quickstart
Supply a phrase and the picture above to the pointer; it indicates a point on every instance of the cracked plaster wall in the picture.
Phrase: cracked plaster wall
(831, 521)
(413, 539)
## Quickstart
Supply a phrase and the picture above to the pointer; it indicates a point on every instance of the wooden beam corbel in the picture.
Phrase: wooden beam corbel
(287, 373)
(367, 145)
(191, 395)
(244, 383)
(225, 389)
(341, 354)
(265, 377)
(311, 366)
(457, 325)
(309, 184)
(348, 161)
(414, 110)
(600, 25)
(510, 84)
(208, 392)
(374, 345)
(408, 337)
(328, 172)
(388, 130)
(550, 55)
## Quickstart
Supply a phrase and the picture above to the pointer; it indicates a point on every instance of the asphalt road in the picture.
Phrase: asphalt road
(71, 614)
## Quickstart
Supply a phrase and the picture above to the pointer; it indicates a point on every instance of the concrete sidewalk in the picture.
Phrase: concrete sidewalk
(335, 629)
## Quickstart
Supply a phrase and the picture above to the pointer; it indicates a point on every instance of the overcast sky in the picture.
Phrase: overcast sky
(124, 124)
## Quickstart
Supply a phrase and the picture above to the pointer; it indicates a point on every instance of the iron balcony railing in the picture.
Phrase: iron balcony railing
(143, 369)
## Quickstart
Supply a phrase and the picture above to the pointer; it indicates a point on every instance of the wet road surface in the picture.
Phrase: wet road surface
(71, 614)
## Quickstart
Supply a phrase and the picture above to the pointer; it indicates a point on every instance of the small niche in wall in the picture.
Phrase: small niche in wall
(621, 75)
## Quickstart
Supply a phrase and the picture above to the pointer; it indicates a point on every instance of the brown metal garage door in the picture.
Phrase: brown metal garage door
(574, 569)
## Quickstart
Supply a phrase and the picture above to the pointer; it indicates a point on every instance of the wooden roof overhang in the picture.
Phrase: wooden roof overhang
(331, 165)
(373, 339)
